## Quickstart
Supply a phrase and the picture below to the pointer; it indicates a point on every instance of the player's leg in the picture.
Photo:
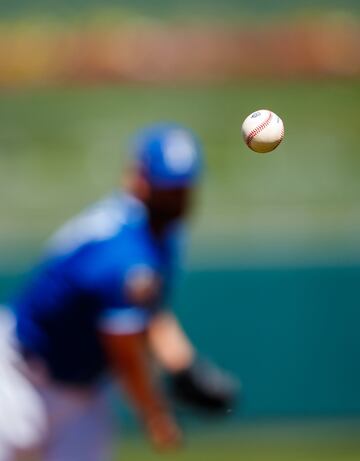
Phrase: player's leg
(22, 416)
(37, 415)
(80, 426)
(6, 453)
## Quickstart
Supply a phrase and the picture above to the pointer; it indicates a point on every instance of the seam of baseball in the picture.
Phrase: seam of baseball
(282, 134)
(258, 129)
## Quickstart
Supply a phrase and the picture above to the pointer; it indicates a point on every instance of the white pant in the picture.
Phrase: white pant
(37, 416)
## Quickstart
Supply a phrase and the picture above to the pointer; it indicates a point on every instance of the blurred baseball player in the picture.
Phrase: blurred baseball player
(98, 304)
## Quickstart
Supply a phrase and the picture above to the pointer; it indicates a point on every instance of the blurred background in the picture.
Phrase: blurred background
(273, 263)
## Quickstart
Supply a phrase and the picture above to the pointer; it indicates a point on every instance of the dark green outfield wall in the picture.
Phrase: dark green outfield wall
(291, 335)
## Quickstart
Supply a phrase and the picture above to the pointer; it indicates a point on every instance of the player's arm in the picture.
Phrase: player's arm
(193, 380)
(127, 356)
(122, 334)
(169, 343)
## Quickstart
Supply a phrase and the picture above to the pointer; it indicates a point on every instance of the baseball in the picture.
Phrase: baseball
(263, 131)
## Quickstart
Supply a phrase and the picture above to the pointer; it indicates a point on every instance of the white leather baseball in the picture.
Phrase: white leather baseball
(263, 131)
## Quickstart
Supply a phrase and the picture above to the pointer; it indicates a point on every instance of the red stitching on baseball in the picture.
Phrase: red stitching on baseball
(258, 129)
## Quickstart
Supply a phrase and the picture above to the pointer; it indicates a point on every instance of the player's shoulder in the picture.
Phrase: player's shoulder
(97, 223)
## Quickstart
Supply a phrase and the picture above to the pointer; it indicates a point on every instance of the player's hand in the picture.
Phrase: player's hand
(163, 431)
(204, 386)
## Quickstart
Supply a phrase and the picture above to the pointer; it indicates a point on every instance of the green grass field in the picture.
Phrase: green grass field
(315, 442)
(62, 148)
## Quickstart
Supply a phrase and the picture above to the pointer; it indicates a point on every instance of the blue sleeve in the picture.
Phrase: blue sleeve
(120, 313)
(125, 320)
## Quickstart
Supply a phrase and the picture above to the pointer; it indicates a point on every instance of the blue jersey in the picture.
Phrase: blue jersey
(80, 287)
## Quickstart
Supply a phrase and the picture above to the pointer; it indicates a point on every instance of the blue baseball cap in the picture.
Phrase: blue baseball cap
(168, 154)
